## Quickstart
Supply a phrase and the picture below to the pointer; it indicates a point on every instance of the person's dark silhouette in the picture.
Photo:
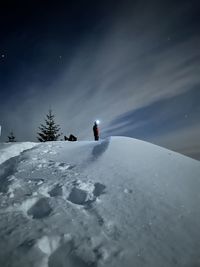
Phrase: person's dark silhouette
(96, 131)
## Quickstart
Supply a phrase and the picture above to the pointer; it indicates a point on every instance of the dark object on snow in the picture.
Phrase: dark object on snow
(70, 138)
(96, 131)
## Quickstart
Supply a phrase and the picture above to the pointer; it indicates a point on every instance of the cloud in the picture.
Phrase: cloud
(167, 122)
(185, 141)
(160, 117)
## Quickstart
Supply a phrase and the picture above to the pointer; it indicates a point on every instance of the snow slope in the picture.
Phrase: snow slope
(116, 202)
(9, 150)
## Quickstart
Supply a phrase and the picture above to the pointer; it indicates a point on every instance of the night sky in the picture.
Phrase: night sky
(134, 65)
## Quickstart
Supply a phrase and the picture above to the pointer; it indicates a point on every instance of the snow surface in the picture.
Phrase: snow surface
(116, 202)
(9, 150)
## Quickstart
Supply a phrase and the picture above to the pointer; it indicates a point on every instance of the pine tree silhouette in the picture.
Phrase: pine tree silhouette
(11, 137)
(50, 131)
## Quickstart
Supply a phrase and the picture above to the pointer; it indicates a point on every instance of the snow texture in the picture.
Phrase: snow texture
(116, 202)
(9, 150)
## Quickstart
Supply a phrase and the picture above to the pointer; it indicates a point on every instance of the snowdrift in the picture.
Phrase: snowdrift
(116, 202)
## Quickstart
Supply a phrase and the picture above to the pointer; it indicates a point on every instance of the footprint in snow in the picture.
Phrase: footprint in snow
(78, 196)
(99, 189)
(56, 191)
(40, 209)
(83, 197)
(62, 166)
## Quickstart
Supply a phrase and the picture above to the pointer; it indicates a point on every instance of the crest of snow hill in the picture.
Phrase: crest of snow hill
(116, 202)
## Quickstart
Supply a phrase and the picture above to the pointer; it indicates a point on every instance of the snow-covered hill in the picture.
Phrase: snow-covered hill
(116, 202)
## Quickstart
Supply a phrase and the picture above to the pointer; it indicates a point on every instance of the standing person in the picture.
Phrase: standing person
(96, 131)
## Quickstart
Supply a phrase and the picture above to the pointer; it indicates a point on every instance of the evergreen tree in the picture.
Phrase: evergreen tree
(49, 131)
(11, 137)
